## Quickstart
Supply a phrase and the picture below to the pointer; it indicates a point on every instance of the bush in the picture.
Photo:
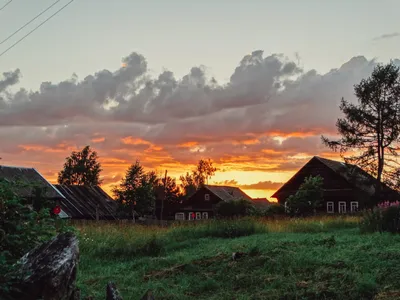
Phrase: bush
(384, 218)
(22, 228)
(234, 208)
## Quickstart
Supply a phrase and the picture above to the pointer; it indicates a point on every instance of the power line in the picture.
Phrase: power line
(10, 36)
(4, 6)
(34, 29)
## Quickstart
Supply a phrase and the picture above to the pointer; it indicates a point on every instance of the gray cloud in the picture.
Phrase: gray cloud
(387, 36)
(266, 96)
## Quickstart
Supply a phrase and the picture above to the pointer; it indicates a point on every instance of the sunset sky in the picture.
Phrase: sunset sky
(250, 84)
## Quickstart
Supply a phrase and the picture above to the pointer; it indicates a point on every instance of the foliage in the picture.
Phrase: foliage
(135, 193)
(81, 168)
(198, 177)
(371, 128)
(384, 217)
(303, 265)
(307, 198)
(22, 228)
(234, 208)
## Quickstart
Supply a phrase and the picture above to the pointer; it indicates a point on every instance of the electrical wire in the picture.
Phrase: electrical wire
(34, 29)
(22, 27)
(5, 5)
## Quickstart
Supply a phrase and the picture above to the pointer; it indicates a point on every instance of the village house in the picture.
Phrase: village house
(347, 188)
(87, 202)
(202, 203)
(32, 185)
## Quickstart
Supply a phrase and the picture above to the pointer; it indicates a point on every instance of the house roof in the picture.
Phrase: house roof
(81, 202)
(29, 176)
(351, 173)
(227, 193)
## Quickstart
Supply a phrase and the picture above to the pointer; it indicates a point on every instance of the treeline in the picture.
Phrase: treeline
(138, 191)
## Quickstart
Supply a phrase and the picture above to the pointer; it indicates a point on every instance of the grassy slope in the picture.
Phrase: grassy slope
(279, 265)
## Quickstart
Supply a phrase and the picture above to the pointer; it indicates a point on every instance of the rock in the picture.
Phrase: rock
(112, 292)
(237, 255)
(48, 272)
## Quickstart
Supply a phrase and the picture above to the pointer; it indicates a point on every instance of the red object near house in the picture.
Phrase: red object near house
(193, 216)
(56, 210)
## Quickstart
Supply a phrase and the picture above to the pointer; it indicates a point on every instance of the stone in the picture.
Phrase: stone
(48, 272)
(112, 292)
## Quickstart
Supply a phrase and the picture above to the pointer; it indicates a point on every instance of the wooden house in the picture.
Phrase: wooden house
(87, 202)
(32, 185)
(201, 204)
(347, 188)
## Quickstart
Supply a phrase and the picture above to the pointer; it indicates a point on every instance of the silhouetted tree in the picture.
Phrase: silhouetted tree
(371, 128)
(81, 168)
(135, 193)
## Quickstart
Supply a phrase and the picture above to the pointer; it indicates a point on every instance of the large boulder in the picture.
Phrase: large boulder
(49, 271)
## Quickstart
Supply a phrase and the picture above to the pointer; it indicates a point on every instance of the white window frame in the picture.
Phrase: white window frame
(286, 207)
(341, 211)
(190, 216)
(181, 216)
(351, 206)
(206, 197)
(204, 215)
(328, 204)
(198, 215)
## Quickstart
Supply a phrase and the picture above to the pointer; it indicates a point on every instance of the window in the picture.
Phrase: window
(191, 215)
(342, 207)
(198, 216)
(207, 197)
(205, 215)
(180, 216)
(354, 206)
(286, 207)
(330, 209)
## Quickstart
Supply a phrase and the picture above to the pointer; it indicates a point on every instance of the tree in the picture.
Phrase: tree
(235, 208)
(198, 177)
(371, 128)
(81, 168)
(307, 198)
(135, 193)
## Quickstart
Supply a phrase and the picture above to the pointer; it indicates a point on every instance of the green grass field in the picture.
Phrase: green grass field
(307, 259)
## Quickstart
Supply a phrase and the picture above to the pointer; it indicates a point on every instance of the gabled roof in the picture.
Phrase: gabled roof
(81, 202)
(29, 176)
(351, 173)
(227, 193)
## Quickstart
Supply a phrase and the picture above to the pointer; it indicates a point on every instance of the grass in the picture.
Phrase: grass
(320, 258)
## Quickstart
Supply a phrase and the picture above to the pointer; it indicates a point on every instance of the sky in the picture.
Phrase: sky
(249, 84)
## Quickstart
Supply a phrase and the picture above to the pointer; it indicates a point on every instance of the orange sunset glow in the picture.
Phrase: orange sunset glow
(258, 129)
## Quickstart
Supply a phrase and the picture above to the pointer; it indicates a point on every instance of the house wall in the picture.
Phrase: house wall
(336, 188)
(197, 203)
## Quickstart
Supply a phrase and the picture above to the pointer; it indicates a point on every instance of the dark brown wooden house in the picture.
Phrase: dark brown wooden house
(31, 182)
(87, 202)
(202, 203)
(347, 188)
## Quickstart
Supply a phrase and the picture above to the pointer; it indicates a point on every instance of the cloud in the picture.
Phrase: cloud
(387, 36)
(262, 185)
(268, 117)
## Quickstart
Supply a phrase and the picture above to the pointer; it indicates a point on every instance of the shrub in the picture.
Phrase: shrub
(234, 208)
(22, 228)
(308, 197)
(383, 218)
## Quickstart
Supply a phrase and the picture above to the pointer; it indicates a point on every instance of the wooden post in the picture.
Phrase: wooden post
(165, 195)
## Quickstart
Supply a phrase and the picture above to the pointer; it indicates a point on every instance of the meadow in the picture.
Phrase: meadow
(316, 258)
